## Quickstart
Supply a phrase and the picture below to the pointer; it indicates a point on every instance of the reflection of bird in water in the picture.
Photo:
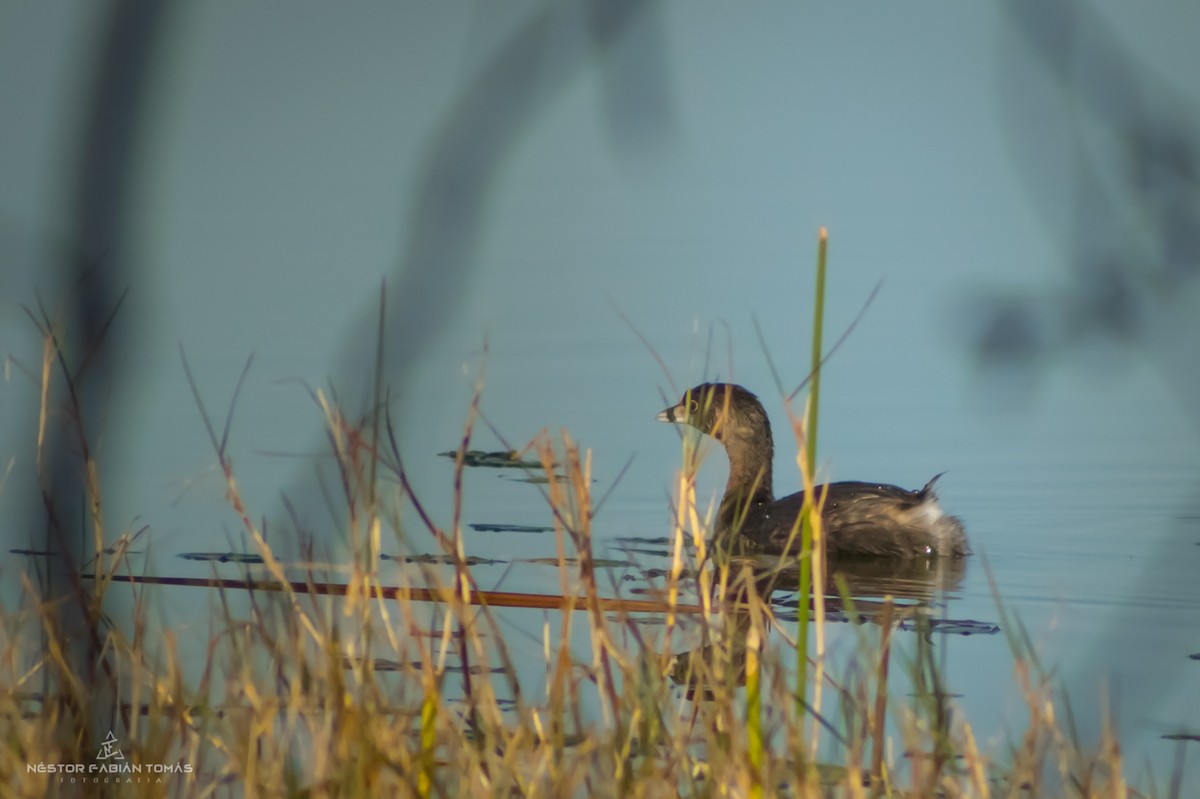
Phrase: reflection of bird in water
(868, 580)
(887, 592)
(859, 519)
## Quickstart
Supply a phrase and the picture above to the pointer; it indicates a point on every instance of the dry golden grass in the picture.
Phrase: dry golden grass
(364, 689)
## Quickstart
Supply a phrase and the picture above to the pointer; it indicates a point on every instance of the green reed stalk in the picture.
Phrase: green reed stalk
(881, 693)
(429, 713)
(810, 452)
(818, 325)
(754, 732)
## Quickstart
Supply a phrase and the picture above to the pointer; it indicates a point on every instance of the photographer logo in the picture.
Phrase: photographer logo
(109, 767)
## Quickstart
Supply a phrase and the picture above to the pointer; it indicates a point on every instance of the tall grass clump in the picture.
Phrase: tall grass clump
(411, 681)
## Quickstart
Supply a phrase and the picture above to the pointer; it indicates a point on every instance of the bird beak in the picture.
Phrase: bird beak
(671, 415)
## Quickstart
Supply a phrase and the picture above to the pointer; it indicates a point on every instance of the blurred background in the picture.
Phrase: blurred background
(559, 197)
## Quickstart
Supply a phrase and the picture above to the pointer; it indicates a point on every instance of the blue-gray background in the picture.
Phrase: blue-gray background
(1023, 181)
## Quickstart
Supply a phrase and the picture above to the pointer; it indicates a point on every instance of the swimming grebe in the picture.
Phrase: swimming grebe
(860, 519)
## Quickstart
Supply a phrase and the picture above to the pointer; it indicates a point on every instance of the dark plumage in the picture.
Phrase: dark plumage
(860, 519)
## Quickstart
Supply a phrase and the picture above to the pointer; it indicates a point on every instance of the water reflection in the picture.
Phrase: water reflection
(922, 580)
(919, 580)
(906, 594)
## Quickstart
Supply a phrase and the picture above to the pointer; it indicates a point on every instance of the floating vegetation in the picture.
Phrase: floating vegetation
(644, 545)
(440, 559)
(503, 459)
(223, 557)
(476, 670)
(503, 704)
(51, 553)
(484, 527)
(665, 574)
(637, 540)
(36, 553)
(952, 626)
(654, 553)
(386, 665)
(599, 563)
(659, 594)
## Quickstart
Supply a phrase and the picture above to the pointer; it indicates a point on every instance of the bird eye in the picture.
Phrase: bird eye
(693, 406)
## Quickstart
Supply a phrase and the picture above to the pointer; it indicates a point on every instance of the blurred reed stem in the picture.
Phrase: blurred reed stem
(810, 462)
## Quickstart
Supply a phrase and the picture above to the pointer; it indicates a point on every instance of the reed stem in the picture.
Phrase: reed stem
(754, 731)
(810, 452)
(818, 325)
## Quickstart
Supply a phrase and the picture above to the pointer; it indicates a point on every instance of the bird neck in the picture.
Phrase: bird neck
(750, 455)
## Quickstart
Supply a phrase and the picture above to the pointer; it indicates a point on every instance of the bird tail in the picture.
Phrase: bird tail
(928, 492)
